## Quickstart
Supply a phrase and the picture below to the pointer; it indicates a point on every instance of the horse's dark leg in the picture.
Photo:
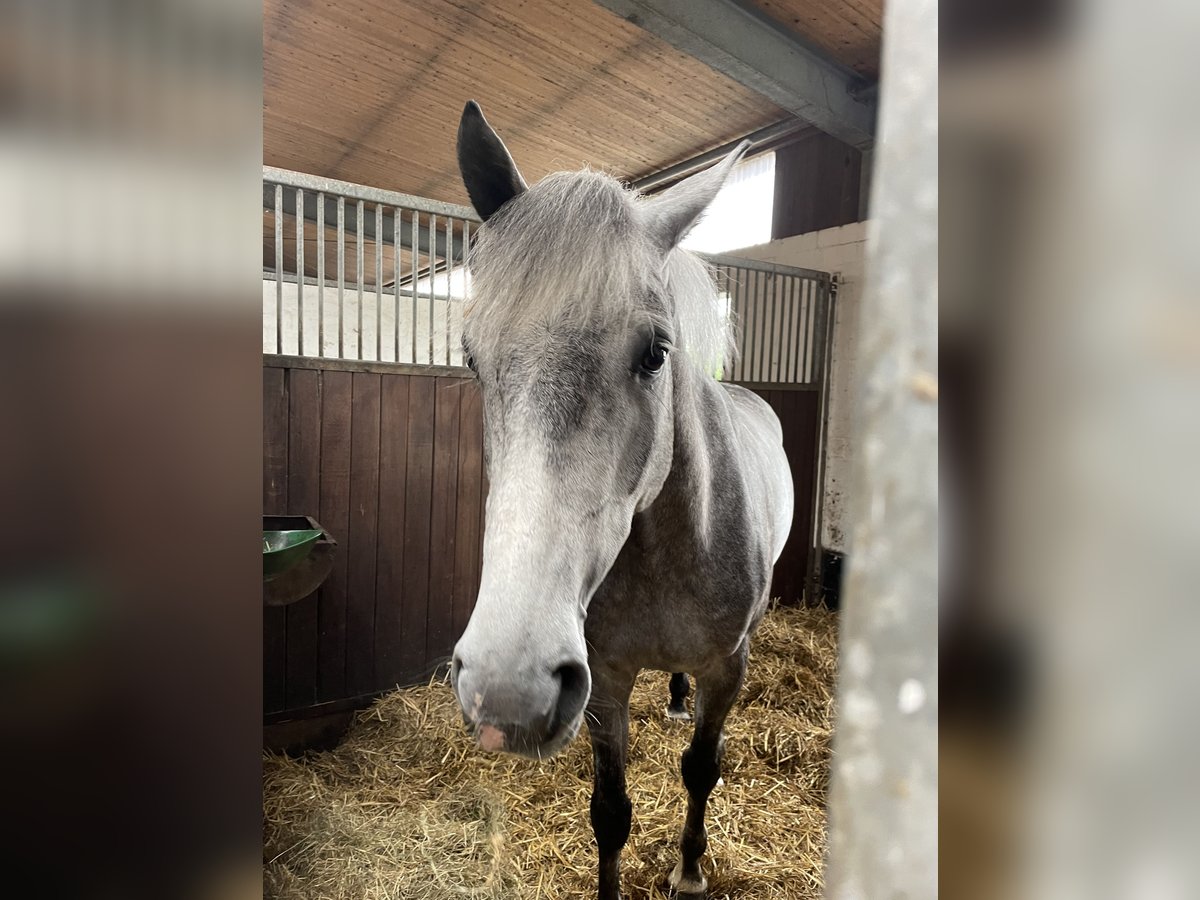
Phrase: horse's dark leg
(608, 723)
(716, 689)
(679, 691)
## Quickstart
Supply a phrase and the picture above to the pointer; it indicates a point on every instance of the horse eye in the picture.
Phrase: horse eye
(654, 359)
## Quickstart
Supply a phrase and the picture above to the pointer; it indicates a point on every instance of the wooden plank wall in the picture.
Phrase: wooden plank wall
(798, 412)
(817, 185)
(392, 465)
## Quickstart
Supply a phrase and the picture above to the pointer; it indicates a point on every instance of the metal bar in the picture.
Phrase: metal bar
(788, 351)
(358, 271)
(816, 564)
(300, 274)
(739, 294)
(755, 51)
(362, 365)
(416, 224)
(462, 307)
(449, 284)
(396, 280)
(772, 373)
(760, 327)
(424, 240)
(279, 268)
(741, 280)
(320, 274)
(802, 334)
(378, 282)
(816, 357)
(432, 270)
(341, 274)
(353, 191)
(310, 281)
(754, 265)
(760, 141)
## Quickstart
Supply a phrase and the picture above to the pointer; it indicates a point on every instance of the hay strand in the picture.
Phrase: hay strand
(406, 808)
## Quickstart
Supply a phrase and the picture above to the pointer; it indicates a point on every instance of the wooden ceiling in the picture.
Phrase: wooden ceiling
(370, 91)
(847, 30)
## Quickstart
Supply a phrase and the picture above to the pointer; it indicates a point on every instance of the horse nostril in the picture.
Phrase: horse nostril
(573, 683)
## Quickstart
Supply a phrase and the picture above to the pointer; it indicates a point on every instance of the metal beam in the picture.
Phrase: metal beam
(754, 50)
(762, 139)
(883, 800)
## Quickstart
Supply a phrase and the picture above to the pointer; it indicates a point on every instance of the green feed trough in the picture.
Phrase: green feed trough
(283, 550)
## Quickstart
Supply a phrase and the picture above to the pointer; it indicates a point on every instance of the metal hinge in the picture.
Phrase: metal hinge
(835, 281)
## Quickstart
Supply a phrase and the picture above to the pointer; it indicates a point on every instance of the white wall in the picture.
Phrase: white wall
(445, 316)
(841, 251)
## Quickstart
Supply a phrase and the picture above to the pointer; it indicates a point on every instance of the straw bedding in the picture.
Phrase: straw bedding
(405, 807)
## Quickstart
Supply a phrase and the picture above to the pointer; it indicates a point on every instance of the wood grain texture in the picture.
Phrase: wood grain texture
(443, 520)
(818, 180)
(566, 84)
(362, 548)
(418, 545)
(336, 400)
(389, 583)
(850, 31)
(468, 519)
(304, 492)
(275, 485)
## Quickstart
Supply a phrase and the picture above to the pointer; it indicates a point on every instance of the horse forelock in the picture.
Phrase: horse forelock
(572, 252)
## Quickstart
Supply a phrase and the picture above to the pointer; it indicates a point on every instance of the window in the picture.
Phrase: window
(740, 216)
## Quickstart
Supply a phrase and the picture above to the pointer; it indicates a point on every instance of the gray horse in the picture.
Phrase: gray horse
(637, 504)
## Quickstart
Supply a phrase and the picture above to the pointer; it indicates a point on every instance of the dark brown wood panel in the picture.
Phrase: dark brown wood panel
(817, 185)
(361, 544)
(304, 493)
(392, 465)
(439, 632)
(418, 514)
(797, 411)
(275, 485)
(393, 478)
(468, 537)
(336, 399)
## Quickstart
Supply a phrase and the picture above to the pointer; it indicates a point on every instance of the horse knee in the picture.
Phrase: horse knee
(701, 769)
(612, 816)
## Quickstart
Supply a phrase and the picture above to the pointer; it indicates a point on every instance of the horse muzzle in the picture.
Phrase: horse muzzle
(533, 711)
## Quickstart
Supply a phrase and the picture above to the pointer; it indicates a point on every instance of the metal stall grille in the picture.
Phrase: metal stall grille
(367, 274)
(781, 316)
(358, 273)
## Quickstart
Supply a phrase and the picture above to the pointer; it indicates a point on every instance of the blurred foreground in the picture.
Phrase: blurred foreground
(1070, 351)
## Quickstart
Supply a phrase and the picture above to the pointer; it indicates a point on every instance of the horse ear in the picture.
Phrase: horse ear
(488, 171)
(671, 214)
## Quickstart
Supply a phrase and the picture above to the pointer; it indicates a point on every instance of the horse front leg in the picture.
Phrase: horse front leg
(612, 814)
(716, 689)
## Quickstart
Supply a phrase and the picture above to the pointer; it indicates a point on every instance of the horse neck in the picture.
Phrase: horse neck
(685, 499)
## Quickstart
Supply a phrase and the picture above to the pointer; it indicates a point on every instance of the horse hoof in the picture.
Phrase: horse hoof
(687, 887)
(679, 715)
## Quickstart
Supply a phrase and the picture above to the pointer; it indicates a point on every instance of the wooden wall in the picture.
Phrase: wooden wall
(799, 413)
(818, 180)
(391, 463)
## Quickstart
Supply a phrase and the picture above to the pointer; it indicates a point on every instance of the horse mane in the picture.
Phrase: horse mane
(573, 251)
